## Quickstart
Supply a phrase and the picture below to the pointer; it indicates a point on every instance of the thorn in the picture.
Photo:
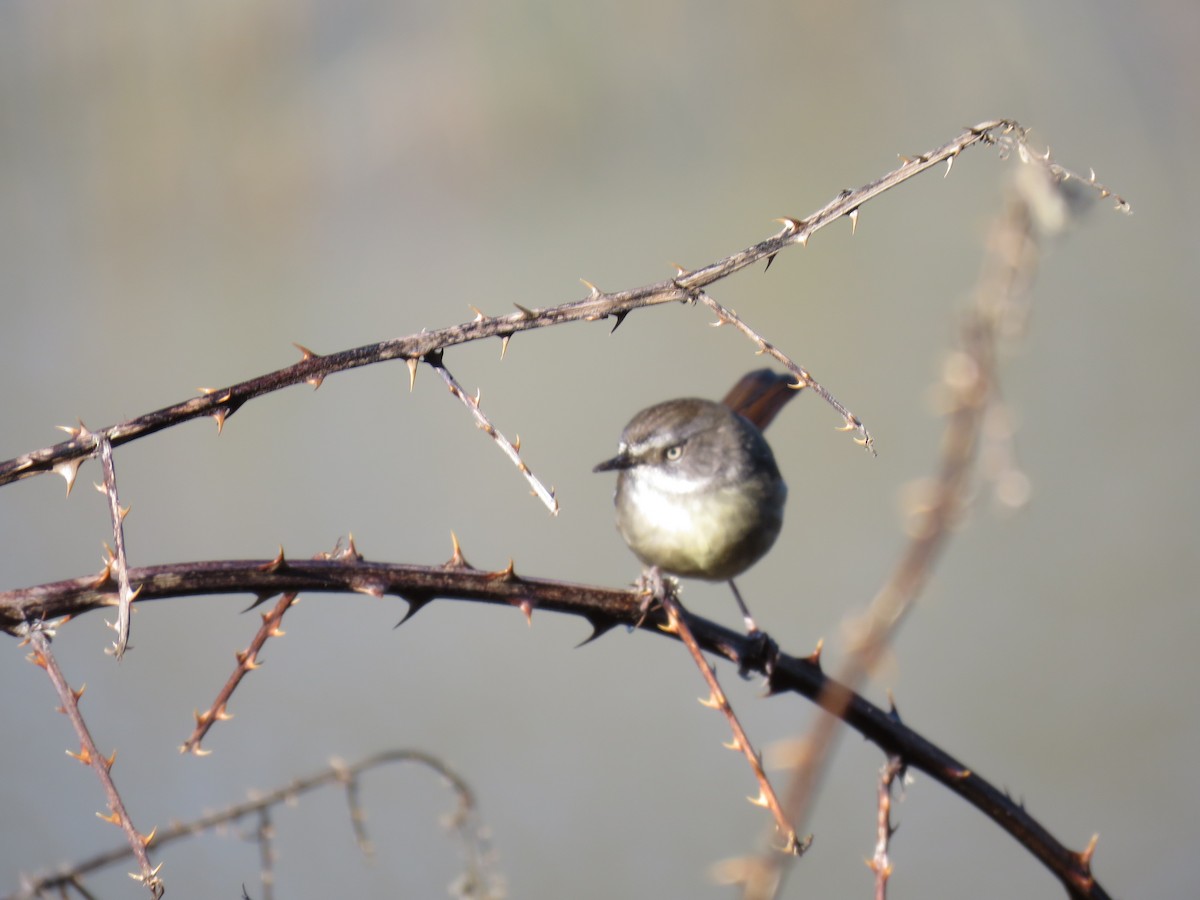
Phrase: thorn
(69, 469)
(853, 214)
(304, 351)
(148, 838)
(517, 444)
(504, 346)
(814, 658)
(620, 317)
(260, 599)
(711, 701)
(599, 628)
(790, 225)
(112, 818)
(123, 511)
(949, 164)
(733, 744)
(220, 414)
(457, 560)
(680, 271)
(770, 259)
(371, 589)
(278, 564)
(412, 372)
(525, 312)
(415, 605)
(594, 291)
(803, 240)
(526, 607)
(1085, 857)
(760, 800)
(479, 316)
(506, 574)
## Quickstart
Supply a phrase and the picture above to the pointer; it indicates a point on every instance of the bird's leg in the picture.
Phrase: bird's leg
(763, 649)
(654, 587)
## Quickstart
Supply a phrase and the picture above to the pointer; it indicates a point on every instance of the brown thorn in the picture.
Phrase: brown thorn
(508, 573)
(457, 560)
(278, 564)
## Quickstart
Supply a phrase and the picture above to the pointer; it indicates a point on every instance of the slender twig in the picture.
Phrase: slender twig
(879, 863)
(511, 450)
(463, 822)
(604, 609)
(804, 379)
(247, 660)
(664, 592)
(264, 836)
(313, 368)
(89, 755)
(126, 594)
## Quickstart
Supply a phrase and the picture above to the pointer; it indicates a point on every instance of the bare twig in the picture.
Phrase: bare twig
(464, 823)
(511, 450)
(39, 638)
(247, 660)
(804, 379)
(126, 594)
(880, 864)
(664, 591)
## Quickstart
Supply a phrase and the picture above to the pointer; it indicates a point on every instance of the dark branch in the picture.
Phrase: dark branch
(604, 608)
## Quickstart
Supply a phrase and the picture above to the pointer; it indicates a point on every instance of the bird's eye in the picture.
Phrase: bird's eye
(674, 452)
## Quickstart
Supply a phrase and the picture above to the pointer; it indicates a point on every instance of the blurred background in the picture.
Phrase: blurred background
(189, 188)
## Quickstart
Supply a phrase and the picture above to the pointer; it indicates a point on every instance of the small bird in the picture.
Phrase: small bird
(698, 492)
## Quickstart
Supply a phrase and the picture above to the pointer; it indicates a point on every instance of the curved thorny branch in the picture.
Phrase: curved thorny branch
(221, 403)
(604, 609)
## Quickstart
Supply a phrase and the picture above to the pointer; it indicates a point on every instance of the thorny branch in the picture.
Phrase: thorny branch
(969, 388)
(89, 755)
(664, 591)
(117, 513)
(313, 368)
(465, 823)
(604, 609)
(880, 864)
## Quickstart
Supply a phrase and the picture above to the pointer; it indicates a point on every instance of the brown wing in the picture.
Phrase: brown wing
(760, 395)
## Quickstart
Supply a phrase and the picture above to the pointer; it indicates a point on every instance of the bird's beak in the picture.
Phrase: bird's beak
(622, 460)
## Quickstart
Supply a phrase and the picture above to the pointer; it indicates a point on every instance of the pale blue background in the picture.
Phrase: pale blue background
(188, 188)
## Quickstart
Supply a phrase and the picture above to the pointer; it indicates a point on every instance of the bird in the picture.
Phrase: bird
(699, 494)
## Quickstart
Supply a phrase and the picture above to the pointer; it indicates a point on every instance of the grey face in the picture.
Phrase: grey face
(698, 490)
